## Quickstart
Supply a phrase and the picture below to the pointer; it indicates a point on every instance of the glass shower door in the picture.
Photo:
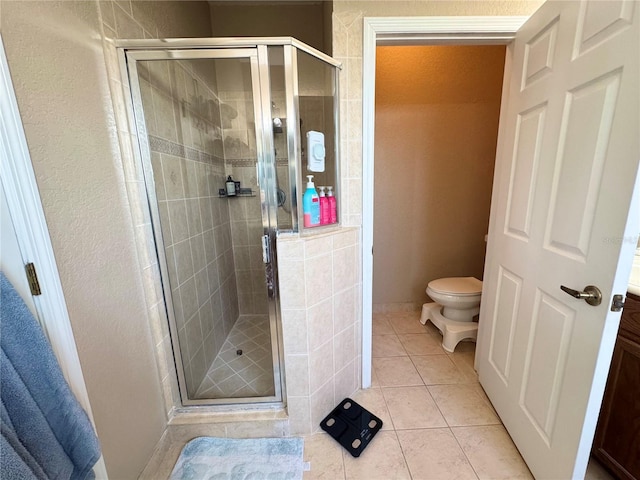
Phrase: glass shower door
(200, 117)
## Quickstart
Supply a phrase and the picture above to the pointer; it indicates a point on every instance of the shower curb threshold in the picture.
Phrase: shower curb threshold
(186, 416)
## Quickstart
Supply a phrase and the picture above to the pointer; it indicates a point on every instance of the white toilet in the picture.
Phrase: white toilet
(457, 301)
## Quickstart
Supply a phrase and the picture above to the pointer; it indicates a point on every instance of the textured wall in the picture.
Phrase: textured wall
(56, 60)
(308, 23)
(437, 111)
(64, 92)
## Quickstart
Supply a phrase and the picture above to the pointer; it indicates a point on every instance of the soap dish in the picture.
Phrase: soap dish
(352, 426)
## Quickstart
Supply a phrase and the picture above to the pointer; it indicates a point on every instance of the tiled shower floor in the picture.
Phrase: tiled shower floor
(247, 375)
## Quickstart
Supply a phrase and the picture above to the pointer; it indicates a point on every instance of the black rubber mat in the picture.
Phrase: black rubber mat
(352, 426)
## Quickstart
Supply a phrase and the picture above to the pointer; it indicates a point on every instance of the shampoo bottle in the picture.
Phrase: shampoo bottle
(333, 207)
(311, 205)
(230, 186)
(324, 207)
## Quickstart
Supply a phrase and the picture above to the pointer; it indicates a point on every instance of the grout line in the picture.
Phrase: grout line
(464, 453)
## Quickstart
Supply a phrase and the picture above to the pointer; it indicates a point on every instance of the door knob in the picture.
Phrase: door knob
(591, 294)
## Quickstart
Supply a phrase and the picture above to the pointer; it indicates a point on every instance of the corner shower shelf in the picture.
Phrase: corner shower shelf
(244, 192)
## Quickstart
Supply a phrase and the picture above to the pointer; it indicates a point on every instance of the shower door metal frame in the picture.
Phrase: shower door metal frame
(130, 53)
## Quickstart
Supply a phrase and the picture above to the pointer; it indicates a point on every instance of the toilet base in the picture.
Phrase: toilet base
(452, 331)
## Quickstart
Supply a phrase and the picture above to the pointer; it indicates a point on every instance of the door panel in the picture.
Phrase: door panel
(546, 355)
(526, 158)
(599, 21)
(539, 54)
(582, 150)
(502, 336)
(566, 168)
(199, 115)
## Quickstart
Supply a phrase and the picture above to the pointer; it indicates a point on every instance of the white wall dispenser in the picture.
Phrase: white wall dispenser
(315, 151)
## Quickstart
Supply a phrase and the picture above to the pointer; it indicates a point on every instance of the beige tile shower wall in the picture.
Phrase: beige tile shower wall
(239, 134)
(246, 231)
(319, 293)
(182, 116)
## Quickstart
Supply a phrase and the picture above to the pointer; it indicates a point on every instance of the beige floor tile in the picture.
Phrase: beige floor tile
(465, 363)
(412, 407)
(166, 459)
(381, 326)
(437, 369)
(325, 457)
(381, 460)
(492, 453)
(431, 329)
(434, 454)
(374, 378)
(461, 405)
(403, 323)
(379, 316)
(483, 395)
(373, 400)
(421, 344)
(396, 371)
(466, 346)
(387, 346)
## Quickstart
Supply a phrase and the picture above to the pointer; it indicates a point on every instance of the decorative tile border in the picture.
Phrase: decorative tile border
(251, 162)
(160, 145)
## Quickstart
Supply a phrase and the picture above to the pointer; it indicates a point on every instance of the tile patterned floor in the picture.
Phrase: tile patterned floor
(247, 375)
(437, 421)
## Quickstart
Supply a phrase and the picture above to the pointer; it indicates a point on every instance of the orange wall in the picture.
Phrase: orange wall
(437, 110)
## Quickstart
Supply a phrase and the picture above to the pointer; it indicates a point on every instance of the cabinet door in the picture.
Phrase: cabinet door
(617, 441)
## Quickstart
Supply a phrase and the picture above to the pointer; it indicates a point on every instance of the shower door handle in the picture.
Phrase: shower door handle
(268, 268)
(266, 254)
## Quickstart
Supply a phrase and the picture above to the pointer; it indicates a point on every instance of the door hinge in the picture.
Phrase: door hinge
(617, 303)
(32, 277)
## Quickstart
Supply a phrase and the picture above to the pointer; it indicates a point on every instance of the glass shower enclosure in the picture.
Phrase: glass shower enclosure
(221, 145)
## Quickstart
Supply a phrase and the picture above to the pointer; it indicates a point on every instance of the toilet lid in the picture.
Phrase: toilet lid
(457, 286)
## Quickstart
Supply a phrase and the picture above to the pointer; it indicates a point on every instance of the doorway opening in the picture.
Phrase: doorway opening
(406, 31)
(436, 128)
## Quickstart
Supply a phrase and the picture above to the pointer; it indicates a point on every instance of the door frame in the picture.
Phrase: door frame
(27, 215)
(460, 30)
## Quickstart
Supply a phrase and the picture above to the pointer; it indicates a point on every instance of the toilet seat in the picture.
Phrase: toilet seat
(456, 303)
(459, 286)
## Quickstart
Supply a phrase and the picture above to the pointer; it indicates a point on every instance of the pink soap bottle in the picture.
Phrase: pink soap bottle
(324, 207)
(333, 207)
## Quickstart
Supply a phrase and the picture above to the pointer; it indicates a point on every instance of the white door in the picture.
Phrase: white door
(562, 214)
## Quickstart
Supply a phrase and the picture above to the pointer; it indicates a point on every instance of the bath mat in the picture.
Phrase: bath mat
(212, 458)
(352, 426)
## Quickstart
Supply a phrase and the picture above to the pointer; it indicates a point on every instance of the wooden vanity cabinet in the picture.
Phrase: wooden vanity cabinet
(617, 439)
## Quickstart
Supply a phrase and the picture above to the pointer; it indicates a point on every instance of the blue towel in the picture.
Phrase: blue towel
(45, 432)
